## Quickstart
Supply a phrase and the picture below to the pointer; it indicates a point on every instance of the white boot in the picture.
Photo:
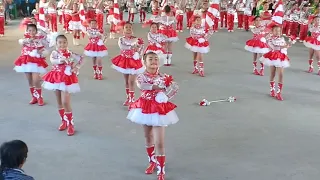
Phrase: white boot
(110, 36)
(74, 41)
(169, 59)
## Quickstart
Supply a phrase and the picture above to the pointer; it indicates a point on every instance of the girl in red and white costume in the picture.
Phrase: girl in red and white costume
(189, 13)
(286, 22)
(112, 20)
(257, 45)
(154, 111)
(240, 13)
(223, 13)
(32, 62)
(156, 40)
(143, 8)
(35, 12)
(198, 43)
(313, 43)
(265, 14)
(52, 11)
(277, 59)
(131, 10)
(230, 15)
(67, 17)
(129, 62)
(63, 80)
(2, 21)
(247, 15)
(166, 28)
(60, 6)
(99, 14)
(304, 24)
(294, 16)
(75, 24)
(96, 48)
(179, 18)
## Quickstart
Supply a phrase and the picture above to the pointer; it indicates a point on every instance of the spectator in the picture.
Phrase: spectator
(13, 156)
(32, 5)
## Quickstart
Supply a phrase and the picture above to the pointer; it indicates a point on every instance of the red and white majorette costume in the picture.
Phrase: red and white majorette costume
(313, 42)
(198, 41)
(223, 13)
(240, 13)
(30, 61)
(152, 109)
(52, 11)
(294, 24)
(258, 44)
(143, 8)
(60, 6)
(2, 23)
(247, 15)
(230, 15)
(60, 77)
(179, 18)
(304, 25)
(155, 45)
(277, 56)
(286, 22)
(189, 13)
(75, 23)
(95, 47)
(267, 18)
(129, 61)
(132, 10)
(67, 19)
(112, 20)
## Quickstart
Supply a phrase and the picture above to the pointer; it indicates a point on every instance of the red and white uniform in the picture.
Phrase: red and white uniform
(179, 18)
(129, 61)
(153, 107)
(223, 13)
(132, 10)
(60, 77)
(277, 56)
(313, 41)
(294, 25)
(258, 44)
(67, 18)
(189, 13)
(155, 40)
(286, 23)
(230, 14)
(304, 25)
(198, 41)
(267, 14)
(95, 47)
(2, 23)
(75, 23)
(30, 60)
(60, 6)
(142, 9)
(247, 15)
(166, 28)
(240, 13)
(52, 11)
(99, 18)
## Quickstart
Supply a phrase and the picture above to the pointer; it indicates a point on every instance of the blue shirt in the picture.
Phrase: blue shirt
(15, 174)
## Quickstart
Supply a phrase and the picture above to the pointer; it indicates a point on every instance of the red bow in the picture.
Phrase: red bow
(27, 36)
(168, 79)
(65, 53)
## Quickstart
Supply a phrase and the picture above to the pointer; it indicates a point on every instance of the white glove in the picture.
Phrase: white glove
(201, 40)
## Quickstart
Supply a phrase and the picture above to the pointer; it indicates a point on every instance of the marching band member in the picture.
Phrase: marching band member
(132, 10)
(230, 15)
(277, 59)
(303, 22)
(63, 80)
(52, 11)
(2, 21)
(75, 24)
(247, 14)
(99, 14)
(154, 111)
(189, 13)
(265, 14)
(166, 28)
(179, 18)
(240, 7)
(142, 10)
(294, 16)
(32, 62)
(198, 43)
(313, 43)
(95, 48)
(67, 17)
(257, 45)
(223, 13)
(60, 5)
(129, 62)
(111, 20)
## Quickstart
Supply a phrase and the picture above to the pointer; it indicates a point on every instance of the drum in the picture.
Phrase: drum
(172, 90)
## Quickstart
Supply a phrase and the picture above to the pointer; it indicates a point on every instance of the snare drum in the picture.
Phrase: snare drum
(172, 90)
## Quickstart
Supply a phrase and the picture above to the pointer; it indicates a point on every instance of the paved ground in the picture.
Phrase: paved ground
(256, 138)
